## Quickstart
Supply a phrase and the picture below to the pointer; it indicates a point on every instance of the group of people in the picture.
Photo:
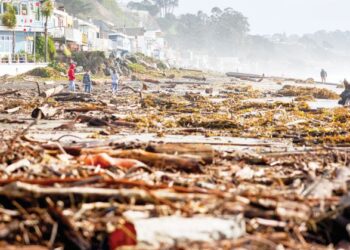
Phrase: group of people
(87, 82)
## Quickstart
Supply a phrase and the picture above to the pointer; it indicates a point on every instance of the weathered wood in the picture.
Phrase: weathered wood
(10, 92)
(193, 70)
(150, 80)
(52, 92)
(187, 163)
(44, 112)
(23, 190)
(83, 110)
(69, 231)
(74, 97)
(197, 78)
(206, 152)
(240, 75)
(185, 82)
(13, 110)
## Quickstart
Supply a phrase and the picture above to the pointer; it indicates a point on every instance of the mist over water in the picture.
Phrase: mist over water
(293, 56)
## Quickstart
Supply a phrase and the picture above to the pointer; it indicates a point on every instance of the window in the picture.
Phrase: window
(24, 9)
(29, 47)
(16, 7)
(5, 43)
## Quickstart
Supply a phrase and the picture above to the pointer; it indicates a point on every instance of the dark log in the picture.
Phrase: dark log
(197, 78)
(10, 92)
(150, 80)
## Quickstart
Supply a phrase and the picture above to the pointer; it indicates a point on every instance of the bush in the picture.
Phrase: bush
(92, 60)
(40, 48)
(60, 67)
(44, 72)
(162, 66)
(137, 68)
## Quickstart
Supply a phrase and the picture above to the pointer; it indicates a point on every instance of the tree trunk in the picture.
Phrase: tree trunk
(34, 52)
(13, 44)
(46, 39)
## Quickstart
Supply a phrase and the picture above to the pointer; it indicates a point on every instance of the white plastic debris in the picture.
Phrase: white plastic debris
(167, 230)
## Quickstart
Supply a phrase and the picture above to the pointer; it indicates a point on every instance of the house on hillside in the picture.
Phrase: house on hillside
(122, 43)
(21, 39)
(148, 42)
(89, 32)
(62, 31)
(105, 28)
(137, 38)
(155, 44)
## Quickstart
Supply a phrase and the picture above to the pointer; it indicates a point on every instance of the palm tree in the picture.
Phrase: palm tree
(47, 10)
(9, 20)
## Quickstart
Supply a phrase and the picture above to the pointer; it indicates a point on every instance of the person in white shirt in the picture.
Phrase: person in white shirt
(115, 81)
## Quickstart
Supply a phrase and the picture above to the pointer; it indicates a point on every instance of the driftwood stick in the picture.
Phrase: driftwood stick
(10, 92)
(23, 190)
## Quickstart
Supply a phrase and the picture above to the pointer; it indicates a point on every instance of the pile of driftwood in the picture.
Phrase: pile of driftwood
(101, 192)
(157, 196)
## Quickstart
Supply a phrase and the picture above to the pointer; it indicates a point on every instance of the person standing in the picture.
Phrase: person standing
(323, 76)
(115, 81)
(87, 82)
(71, 77)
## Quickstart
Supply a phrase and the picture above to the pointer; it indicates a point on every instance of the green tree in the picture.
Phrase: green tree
(166, 6)
(47, 10)
(155, 7)
(145, 5)
(40, 48)
(221, 33)
(9, 20)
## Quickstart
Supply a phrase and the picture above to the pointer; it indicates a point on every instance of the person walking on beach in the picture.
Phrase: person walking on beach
(115, 81)
(87, 82)
(323, 76)
(71, 77)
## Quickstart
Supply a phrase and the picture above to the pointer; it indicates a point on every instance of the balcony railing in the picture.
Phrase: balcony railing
(17, 58)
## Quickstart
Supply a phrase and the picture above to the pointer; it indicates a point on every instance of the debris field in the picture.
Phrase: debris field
(199, 161)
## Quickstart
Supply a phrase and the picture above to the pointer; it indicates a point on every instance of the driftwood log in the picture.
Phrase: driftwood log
(52, 91)
(187, 163)
(44, 112)
(206, 152)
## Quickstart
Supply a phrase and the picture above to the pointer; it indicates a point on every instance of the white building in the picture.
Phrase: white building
(29, 24)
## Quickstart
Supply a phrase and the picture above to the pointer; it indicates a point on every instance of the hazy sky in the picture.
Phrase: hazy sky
(278, 16)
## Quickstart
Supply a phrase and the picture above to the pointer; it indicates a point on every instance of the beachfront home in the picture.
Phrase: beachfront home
(89, 33)
(17, 45)
(155, 44)
(20, 39)
(122, 43)
(64, 32)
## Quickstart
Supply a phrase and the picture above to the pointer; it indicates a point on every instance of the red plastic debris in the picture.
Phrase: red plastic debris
(124, 235)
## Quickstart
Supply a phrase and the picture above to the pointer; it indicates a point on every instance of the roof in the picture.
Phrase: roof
(132, 31)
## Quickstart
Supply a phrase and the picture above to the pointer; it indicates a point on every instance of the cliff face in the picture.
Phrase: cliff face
(107, 10)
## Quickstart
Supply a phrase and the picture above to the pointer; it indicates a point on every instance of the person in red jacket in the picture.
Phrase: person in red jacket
(71, 77)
